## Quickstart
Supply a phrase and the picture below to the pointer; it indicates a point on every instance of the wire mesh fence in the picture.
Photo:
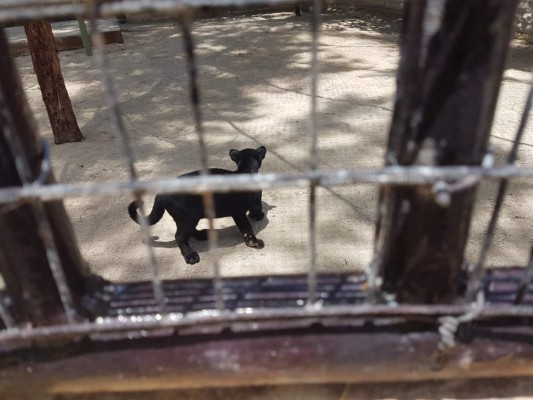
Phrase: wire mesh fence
(119, 308)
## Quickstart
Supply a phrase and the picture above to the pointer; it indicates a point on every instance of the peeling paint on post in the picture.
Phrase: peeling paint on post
(453, 55)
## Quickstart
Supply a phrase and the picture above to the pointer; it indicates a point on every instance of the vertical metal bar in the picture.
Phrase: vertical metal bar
(313, 159)
(125, 147)
(526, 280)
(46, 233)
(208, 198)
(45, 230)
(86, 40)
(5, 316)
(477, 273)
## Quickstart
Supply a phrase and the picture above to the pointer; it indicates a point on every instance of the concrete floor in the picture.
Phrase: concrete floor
(254, 80)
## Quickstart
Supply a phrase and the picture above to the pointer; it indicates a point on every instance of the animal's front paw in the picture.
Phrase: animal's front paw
(192, 258)
(256, 214)
(255, 243)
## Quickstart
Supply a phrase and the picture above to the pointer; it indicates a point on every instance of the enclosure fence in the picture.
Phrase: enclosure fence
(501, 298)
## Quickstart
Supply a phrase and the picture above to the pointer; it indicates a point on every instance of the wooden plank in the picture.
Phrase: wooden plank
(453, 56)
(66, 34)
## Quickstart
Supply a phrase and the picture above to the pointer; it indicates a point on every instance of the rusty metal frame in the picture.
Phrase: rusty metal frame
(237, 360)
(351, 343)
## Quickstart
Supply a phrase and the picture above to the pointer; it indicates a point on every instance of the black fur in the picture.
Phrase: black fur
(187, 210)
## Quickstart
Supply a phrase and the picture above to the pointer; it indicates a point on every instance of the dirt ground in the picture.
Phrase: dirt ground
(254, 78)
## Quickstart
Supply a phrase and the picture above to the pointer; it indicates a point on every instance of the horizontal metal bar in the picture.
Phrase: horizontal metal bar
(231, 364)
(225, 318)
(12, 10)
(135, 4)
(230, 183)
(5, 315)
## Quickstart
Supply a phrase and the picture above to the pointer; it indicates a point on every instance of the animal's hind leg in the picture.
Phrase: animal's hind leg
(184, 232)
(200, 235)
(256, 211)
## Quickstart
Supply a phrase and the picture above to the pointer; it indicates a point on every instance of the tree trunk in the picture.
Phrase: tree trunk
(448, 82)
(48, 70)
(23, 261)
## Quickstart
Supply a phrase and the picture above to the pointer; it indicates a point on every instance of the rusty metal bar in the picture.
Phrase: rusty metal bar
(25, 174)
(11, 11)
(47, 236)
(313, 153)
(526, 280)
(254, 315)
(477, 273)
(5, 316)
(475, 293)
(367, 358)
(207, 197)
(45, 229)
(388, 176)
(125, 148)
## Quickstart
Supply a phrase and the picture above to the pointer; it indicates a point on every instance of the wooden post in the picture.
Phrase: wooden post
(453, 55)
(46, 64)
(23, 262)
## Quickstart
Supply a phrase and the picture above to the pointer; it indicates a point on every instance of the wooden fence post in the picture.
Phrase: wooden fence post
(23, 261)
(47, 67)
(453, 55)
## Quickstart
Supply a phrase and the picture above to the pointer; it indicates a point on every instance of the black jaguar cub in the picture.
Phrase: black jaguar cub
(187, 210)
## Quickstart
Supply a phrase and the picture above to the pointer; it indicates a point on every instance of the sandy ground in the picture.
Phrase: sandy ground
(254, 74)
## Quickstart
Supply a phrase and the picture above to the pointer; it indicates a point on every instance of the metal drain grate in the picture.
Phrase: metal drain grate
(258, 292)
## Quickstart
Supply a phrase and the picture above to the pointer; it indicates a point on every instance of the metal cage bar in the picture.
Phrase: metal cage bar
(47, 236)
(12, 10)
(477, 273)
(207, 197)
(5, 316)
(223, 318)
(127, 153)
(527, 279)
(205, 185)
(313, 154)
(406, 331)
(388, 176)
(44, 227)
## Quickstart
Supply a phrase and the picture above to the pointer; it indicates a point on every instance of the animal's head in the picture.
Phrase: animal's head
(248, 160)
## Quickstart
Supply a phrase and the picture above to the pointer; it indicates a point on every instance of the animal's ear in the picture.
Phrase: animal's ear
(262, 152)
(234, 155)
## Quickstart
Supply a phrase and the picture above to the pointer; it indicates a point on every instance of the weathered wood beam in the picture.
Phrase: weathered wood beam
(23, 260)
(453, 55)
(47, 67)
(290, 358)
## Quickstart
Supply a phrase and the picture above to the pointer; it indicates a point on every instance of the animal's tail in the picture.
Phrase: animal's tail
(155, 215)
